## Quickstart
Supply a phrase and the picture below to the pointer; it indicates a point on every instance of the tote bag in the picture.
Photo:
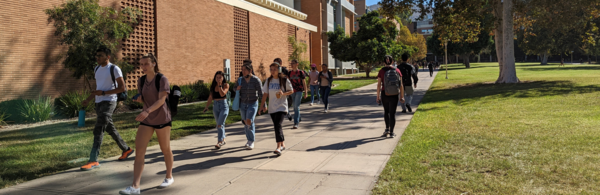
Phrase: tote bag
(236, 100)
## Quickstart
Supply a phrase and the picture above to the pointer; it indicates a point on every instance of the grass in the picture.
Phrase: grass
(472, 136)
(30, 153)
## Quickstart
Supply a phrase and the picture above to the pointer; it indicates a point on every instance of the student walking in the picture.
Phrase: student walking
(250, 89)
(277, 88)
(314, 84)
(218, 93)
(285, 72)
(297, 77)
(155, 117)
(109, 82)
(430, 66)
(325, 82)
(389, 86)
(408, 72)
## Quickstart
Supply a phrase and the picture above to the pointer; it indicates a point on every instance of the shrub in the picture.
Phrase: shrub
(129, 101)
(68, 105)
(203, 89)
(188, 94)
(36, 110)
(3, 118)
(11, 109)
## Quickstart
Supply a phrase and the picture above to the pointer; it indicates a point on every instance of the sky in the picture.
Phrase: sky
(372, 2)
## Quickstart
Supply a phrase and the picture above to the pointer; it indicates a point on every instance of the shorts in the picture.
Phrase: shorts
(408, 90)
(157, 126)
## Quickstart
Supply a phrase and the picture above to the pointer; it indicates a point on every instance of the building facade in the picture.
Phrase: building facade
(191, 38)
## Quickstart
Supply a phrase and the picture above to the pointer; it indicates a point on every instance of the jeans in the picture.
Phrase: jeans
(390, 103)
(325, 90)
(408, 96)
(314, 89)
(104, 122)
(277, 121)
(249, 111)
(220, 112)
(297, 98)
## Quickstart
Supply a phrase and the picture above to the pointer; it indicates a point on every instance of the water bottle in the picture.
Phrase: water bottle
(81, 121)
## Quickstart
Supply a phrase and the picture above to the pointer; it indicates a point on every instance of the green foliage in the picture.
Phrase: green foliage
(36, 110)
(132, 105)
(299, 50)
(203, 90)
(68, 105)
(367, 47)
(188, 94)
(436, 46)
(3, 117)
(84, 26)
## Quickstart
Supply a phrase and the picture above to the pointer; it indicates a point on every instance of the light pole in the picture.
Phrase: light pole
(446, 56)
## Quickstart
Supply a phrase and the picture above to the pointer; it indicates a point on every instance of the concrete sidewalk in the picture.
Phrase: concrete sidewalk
(340, 152)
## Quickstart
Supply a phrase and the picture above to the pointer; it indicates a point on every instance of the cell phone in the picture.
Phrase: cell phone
(136, 96)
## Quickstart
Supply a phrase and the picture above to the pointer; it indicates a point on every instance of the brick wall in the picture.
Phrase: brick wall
(268, 40)
(30, 55)
(194, 36)
(303, 36)
(313, 9)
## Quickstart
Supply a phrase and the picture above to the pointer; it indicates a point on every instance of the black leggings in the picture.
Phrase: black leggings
(390, 103)
(277, 121)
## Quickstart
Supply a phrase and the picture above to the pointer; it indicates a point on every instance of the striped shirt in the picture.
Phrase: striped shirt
(251, 91)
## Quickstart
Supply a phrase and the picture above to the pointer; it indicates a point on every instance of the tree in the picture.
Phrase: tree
(85, 26)
(463, 49)
(368, 46)
(298, 50)
(416, 40)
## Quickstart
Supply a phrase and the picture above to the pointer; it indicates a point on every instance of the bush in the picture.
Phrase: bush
(129, 101)
(3, 118)
(36, 110)
(188, 94)
(68, 105)
(11, 109)
(203, 90)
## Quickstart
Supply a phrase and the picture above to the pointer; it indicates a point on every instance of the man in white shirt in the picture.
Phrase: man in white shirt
(105, 97)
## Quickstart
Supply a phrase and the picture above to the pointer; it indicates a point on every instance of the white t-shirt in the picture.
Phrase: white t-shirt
(104, 82)
(276, 104)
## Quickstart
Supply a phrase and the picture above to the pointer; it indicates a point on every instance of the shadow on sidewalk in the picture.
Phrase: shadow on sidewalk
(347, 144)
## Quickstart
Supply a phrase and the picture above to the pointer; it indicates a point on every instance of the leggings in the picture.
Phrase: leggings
(390, 103)
(277, 121)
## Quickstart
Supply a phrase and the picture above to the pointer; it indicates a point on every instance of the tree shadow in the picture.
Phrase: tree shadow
(347, 144)
(555, 67)
(518, 90)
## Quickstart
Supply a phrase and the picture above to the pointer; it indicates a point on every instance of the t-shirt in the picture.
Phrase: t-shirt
(296, 78)
(104, 82)
(150, 96)
(276, 104)
(314, 77)
(382, 73)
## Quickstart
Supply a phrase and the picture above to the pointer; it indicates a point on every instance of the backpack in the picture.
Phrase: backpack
(391, 81)
(120, 96)
(172, 99)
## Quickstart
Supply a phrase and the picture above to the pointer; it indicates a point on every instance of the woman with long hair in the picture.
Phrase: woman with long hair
(314, 84)
(155, 117)
(325, 81)
(218, 94)
(277, 88)
(250, 89)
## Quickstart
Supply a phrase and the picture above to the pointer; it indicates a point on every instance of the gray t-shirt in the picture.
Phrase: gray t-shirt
(277, 104)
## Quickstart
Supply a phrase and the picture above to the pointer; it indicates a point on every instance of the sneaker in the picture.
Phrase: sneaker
(403, 111)
(130, 190)
(325, 111)
(247, 144)
(409, 108)
(166, 183)
(126, 154)
(386, 132)
(392, 135)
(250, 146)
(295, 126)
(90, 166)
(277, 152)
(282, 148)
(310, 104)
(289, 117)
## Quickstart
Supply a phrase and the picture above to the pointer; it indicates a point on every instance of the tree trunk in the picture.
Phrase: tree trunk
(465, 58)
(498, 34)
(368, 70)
(544, 58)
(508, 71)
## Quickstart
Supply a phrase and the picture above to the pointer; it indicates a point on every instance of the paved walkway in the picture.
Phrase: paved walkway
(340, 152)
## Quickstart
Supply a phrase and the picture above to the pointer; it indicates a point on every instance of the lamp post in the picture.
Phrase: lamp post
(446, 56)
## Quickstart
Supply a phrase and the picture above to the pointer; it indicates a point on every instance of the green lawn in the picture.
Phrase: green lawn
(35, 152)
(471, 136)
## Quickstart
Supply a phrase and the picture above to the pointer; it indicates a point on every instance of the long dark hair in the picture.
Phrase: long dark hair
(247, 66)
(214, 81)
(153, 59)
(282, 77)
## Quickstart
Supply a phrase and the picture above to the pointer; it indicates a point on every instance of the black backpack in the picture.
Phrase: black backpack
(120, 96)
(172, 100)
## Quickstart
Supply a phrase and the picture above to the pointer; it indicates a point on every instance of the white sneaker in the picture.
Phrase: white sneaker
(130, 190)
(247, 144)
(326, 110)
(250, 146)
(311, 104)
(166, 183)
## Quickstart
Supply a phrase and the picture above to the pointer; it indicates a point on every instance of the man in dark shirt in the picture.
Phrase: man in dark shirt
(408, 72)
(430, 66)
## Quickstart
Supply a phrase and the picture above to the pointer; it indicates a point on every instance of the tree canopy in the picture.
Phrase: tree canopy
(85, 26)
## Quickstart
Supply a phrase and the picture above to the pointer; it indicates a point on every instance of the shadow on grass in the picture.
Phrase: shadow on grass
(555, 67)
(519, 90)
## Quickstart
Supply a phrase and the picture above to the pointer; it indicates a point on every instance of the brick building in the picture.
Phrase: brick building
(191, 38)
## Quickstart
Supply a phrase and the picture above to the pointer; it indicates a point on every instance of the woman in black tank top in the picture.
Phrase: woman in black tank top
(218, 93)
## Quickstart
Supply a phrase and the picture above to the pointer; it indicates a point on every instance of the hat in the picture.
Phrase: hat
(313, 65)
